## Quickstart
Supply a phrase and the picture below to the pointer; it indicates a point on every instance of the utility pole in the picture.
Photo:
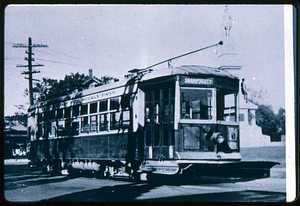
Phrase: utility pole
(30, 65)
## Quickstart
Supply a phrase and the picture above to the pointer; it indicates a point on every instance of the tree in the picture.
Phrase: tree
(271, 124)
(257, 97)
(281, 119)
(49, 88)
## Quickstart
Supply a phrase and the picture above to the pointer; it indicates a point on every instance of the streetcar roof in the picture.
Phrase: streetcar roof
(187, 70)
(182, 70)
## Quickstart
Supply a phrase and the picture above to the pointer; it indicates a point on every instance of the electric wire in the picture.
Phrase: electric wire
(59, 62)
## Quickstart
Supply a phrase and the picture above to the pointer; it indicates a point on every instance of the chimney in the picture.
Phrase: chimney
(91, 73)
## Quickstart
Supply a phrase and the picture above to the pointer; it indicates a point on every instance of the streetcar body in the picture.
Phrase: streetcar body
(166, 121)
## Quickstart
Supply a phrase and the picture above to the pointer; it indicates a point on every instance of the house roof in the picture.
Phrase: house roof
(91, 80)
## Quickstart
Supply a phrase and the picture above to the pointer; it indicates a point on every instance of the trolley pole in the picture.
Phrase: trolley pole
(30, 65)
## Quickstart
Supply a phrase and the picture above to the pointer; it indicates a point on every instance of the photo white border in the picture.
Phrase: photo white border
(289, 104)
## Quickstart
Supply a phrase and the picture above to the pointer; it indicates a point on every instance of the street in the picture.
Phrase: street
(25, 184)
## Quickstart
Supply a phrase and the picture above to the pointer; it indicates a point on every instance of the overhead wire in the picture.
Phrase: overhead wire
(59, 62)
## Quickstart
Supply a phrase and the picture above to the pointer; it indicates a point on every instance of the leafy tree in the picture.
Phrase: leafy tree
(49, 88)
(266, 119)
(281, 119)
(272, 124)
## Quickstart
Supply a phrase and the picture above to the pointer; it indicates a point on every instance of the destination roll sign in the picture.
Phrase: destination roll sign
(196, 81)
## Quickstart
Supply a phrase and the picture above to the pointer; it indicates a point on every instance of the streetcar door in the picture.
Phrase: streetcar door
(159, 122)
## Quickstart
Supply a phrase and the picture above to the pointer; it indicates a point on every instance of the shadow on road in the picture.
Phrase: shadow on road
(132, 192)
(21, 176)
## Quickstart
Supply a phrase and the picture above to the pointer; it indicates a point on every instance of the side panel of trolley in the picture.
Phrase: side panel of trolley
(112, 146)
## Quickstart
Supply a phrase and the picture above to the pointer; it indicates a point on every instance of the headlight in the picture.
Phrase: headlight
(217, 138)
(220, 138)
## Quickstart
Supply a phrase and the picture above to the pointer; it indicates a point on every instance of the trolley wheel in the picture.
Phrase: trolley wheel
(46, 168)
(56, 170)
(136, 176)
(151, 178)
(73, 172)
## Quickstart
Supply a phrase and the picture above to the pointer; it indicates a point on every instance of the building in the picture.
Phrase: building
(15, 141)
(250, 134)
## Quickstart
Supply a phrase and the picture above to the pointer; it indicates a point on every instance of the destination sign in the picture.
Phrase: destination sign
(198, 81)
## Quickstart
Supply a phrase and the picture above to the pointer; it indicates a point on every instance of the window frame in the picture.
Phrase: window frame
(237, 110)
(213, 106)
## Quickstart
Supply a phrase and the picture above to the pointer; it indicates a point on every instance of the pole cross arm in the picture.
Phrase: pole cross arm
(30, 72)
(32, 79)
(37, 65)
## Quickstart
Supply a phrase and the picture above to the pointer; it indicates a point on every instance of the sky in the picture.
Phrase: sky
(113, 39)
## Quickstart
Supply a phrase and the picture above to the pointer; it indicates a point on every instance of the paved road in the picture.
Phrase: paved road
(24, 184)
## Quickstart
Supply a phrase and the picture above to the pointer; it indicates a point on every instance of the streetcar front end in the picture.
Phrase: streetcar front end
(191, 120)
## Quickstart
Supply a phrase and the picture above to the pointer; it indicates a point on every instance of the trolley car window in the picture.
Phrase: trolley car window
(114, 120)
(226, 106)
(61, 128)
(93, 108)
(84, 124)
(103, 122)
(149, 112)
(94, 123)
(84, 109)
(103, 106)
(196, 104)
(53, 128)
(67, 126)
(67, 112)
(59, 113)
(75, 128)
(114, 104)
(75, 111)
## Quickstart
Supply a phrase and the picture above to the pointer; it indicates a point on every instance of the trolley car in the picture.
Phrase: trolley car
(167, 121)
